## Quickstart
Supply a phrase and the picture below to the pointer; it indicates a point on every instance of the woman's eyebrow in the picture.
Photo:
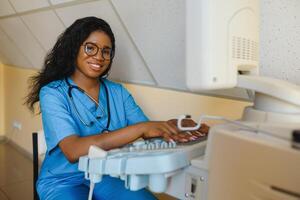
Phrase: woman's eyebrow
(100, 46)
(105, 46)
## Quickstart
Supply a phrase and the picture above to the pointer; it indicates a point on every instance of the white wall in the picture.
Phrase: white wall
(280, 39)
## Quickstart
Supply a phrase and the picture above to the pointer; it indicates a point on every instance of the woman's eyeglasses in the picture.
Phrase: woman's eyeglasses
(92, 49)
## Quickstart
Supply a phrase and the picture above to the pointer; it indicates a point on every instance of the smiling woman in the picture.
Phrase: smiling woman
(97, 112)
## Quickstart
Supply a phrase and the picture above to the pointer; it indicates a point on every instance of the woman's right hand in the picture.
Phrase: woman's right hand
(158, 129)
(165, 129)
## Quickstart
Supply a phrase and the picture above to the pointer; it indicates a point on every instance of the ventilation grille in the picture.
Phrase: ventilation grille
(245, 49)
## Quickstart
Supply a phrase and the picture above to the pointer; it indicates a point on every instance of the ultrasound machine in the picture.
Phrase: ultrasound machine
(254, 158)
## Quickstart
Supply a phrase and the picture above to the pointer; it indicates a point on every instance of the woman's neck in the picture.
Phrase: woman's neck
(85, 83)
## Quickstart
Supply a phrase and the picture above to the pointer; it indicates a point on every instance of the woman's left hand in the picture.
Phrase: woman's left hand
(187, 136)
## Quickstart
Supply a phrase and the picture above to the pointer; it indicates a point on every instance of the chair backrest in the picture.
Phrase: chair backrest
(39, 149)
(42, 147)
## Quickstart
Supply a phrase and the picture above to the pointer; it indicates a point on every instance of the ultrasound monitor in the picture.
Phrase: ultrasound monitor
(222, 39)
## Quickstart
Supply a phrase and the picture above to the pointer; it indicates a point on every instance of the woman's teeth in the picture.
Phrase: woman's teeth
(95, 65)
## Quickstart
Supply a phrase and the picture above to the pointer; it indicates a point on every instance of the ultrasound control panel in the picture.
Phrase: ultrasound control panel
(143, 163)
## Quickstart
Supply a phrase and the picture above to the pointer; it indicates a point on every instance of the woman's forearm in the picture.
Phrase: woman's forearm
(74, 146)
(120, 137)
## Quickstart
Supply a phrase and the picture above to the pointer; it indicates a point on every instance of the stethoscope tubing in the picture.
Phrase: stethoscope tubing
(70, 87)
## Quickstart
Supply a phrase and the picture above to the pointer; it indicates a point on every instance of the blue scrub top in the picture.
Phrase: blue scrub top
(60, 119)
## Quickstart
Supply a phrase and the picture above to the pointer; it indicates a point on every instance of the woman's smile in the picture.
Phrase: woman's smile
(95, 66)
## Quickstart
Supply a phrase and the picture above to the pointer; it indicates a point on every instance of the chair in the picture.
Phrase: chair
(38, 150)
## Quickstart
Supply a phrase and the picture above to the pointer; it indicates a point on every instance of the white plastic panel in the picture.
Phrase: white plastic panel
(5, 8)
(158, 30)
(21, 36)
(54, 2)
(48, 32)
(21, 5)
(219, 42)
(235, 93)
(128, 64)
(10, 54)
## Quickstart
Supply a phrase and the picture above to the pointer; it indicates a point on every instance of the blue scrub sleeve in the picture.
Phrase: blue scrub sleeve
(134, 113)
(57, 119)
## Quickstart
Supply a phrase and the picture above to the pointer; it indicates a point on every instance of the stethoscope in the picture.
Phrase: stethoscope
(70, 87)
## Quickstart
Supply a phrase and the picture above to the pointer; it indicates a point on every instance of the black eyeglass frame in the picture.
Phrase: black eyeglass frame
(112, 53)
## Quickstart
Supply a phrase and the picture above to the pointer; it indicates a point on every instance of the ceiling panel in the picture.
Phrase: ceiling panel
(128, 64)
(25, 5)
(158, 30)
(10, 54)
(46, 33)
(5, 8)
(59, 1)
(24, 40)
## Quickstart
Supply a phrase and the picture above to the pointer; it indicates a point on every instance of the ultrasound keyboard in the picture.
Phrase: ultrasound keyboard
(142, 163)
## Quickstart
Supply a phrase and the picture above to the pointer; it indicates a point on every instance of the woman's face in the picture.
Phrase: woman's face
(93, 56)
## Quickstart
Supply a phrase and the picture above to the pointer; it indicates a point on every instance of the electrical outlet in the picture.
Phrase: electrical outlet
(17, 125)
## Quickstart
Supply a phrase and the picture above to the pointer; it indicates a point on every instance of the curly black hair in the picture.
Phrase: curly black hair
(60, 62)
